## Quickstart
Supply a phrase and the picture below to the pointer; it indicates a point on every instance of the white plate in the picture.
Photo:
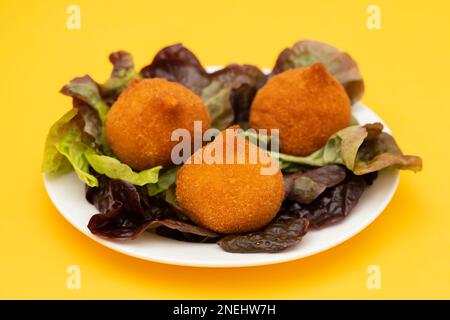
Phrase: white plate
(68, 196)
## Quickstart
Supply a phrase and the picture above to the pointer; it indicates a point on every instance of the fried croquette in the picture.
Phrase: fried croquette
(234, 195)
(307, 105)
(140, 123)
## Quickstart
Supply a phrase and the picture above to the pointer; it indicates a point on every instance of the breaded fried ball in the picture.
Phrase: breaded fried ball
(139, 124)
(307, 105)
(233, 195)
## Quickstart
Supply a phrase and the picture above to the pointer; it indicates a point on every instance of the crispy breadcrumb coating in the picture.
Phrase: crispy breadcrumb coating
(139, 125)
(307, 105)
(234, 196)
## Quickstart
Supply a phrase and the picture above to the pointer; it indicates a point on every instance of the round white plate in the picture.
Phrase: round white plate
(68, 196)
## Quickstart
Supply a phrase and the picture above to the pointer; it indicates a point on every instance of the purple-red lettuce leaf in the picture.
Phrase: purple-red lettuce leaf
(379, 150)
(123, 72)
(305, 187)
(177, 63)
(126, 211)
(283, 232)
(183, 230)
(87, 90)
(307, 52)
(234, 84)
(92, 123)
(334, 204)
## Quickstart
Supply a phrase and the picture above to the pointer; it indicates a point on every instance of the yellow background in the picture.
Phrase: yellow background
(406, 66)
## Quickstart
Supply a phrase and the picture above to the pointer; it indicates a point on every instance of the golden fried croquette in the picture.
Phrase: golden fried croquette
(233, 195)
(307, 105)
(139, 125)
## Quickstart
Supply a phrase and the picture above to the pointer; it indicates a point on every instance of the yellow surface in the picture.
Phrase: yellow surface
(406, 66)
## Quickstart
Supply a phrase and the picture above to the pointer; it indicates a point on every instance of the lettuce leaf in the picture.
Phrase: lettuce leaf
(86, 89)
(74, 150)
(379, 150)
(283, 232)
(114, 169)
(54, 162)
(307, 52)
(362, 150)
(65, 147)
(123, 72)
(305, 187)
(222, 91)
(334, 204)
(183, 227)
(124, 213)
(92, 123)
(178, 64)
(165, 181)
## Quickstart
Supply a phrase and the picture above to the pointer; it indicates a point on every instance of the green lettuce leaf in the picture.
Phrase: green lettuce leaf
(114, 169)
(74, 150)
(65, 147)
(165, 181)
(307, 52)
(170, 197)
(54, 162)
(361, 149)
